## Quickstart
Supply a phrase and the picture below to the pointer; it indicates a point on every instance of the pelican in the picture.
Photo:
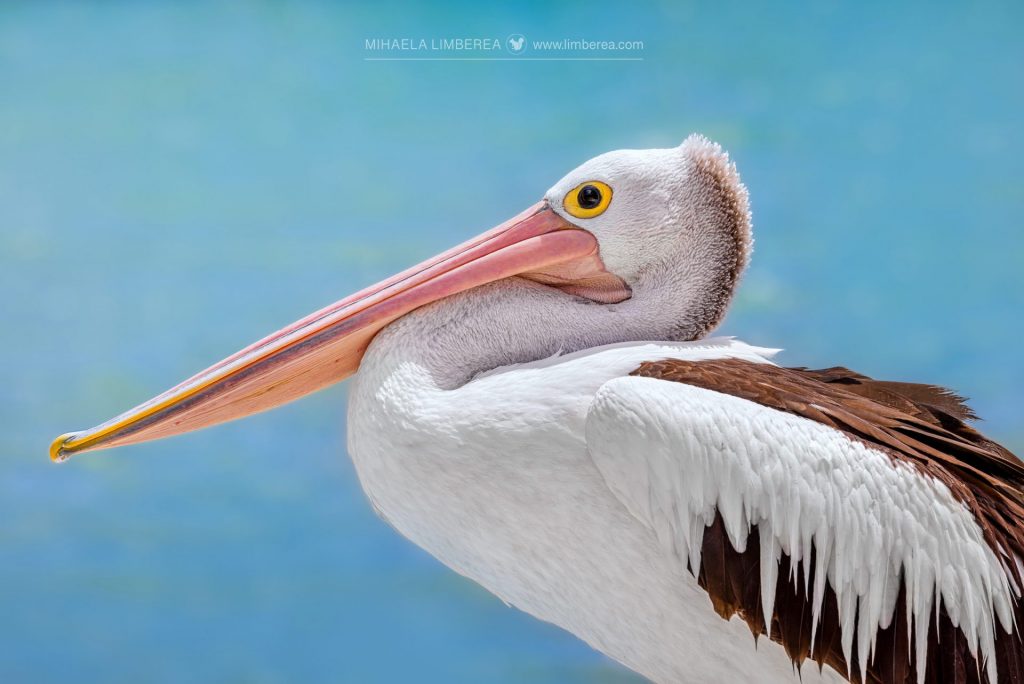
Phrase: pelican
(541, 408)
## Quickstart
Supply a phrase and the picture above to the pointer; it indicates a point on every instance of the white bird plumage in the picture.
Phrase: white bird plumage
(521, 478)
(495, 479)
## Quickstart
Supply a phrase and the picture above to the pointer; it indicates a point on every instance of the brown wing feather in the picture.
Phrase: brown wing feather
(923, 425)
(915, 397)
(949, 660)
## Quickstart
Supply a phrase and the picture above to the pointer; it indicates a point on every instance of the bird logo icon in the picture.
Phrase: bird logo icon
(516, 43)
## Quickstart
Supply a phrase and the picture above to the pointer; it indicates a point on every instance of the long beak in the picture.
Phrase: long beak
(327, 346)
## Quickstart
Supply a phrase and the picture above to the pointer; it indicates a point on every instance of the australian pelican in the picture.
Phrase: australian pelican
(540, 409)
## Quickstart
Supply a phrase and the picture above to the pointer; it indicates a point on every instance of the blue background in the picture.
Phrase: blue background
(178, 180)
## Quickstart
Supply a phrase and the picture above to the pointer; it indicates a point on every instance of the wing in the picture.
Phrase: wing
(859, 523)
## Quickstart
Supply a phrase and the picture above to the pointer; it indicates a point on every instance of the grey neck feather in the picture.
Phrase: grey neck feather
(517, 321)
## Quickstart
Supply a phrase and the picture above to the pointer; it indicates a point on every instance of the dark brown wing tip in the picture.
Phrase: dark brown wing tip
(955, 404)
(730, 578)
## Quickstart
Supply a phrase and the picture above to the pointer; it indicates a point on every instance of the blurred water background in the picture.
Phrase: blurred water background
(177, 180)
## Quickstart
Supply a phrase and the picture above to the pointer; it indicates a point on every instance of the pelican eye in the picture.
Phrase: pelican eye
(588, 200)
(588, 197)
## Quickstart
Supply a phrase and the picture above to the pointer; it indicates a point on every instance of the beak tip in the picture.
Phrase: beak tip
(58, 454)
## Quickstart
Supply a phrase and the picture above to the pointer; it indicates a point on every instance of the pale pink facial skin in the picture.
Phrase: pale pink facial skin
(326, 347)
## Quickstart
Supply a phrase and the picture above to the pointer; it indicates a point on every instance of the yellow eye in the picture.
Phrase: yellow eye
(588, 200)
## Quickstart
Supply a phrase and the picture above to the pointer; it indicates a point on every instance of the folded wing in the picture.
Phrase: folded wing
(860, 523)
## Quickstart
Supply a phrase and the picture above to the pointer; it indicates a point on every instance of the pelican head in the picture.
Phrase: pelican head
(670, 221)
(657, 237)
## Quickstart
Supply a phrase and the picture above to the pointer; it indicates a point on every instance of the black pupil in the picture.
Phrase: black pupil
(588, 197)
